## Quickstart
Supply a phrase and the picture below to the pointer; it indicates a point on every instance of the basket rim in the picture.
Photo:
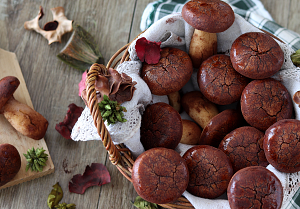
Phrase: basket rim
(120, 156)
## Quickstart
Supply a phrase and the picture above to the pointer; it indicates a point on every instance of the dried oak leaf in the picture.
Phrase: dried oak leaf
(118, 87)
(96, 175)
(54, 30)
(65, 127)
(148, 51)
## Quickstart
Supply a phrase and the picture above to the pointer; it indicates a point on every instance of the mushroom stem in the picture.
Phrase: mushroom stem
(24, 119)
(202, 46)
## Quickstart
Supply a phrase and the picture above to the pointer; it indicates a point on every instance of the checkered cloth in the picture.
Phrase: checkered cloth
(295, 201)
(252, 10)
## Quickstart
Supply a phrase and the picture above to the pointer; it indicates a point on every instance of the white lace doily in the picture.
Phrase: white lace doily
(173, 31)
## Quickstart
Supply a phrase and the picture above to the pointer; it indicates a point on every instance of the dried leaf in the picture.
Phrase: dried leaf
(81, 51)
(55, 196)
(54, 30)
(148, 51)
(65, 127)
(94, 175)
(143, 204)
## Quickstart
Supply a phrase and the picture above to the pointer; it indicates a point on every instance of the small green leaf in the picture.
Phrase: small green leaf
(143, 204)
(27, 167)
(119, 117)
(106, 114)
(55, 196)
(107, 107)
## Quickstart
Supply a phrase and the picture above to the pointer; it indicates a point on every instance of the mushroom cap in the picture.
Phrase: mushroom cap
(212, 16)
(8, 86)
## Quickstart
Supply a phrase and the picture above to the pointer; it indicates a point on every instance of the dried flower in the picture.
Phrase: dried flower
(111, 111)
(143, 204)
(55, 196)
(118, 87)
(65, 206)
(296, 58)
(81, 51)
(36, 159)
(148, 51)
(54, 30)
(81, 85)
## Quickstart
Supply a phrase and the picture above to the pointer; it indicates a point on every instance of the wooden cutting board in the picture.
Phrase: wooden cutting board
(9, 66)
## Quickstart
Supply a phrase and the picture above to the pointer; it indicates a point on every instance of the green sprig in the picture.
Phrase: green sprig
(111, 111)
(36, 159)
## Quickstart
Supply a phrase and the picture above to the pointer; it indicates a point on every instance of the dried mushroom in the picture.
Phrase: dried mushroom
(53, 30)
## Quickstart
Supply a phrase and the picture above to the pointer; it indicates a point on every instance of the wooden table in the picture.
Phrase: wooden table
(53, 85)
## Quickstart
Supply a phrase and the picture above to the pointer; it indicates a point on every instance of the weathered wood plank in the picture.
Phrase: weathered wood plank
(53, 86)
(279, 10)
(140, 6)
(294, 16)
(10, 67)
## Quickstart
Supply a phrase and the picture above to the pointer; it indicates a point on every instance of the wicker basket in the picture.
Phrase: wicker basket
(119, 155)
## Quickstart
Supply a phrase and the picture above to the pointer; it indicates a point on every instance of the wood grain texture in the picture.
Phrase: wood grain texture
(10, 67)
(279, 10)
(52, 86)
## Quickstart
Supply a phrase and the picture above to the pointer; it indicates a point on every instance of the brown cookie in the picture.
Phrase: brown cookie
(264, 102)
(10, 163)
(219, 82)
(211, 16)
(256, 55)
(170, 74)
(282, 145)
(219, 126)
(161, 126)
(160, 175)
(254, 187)
(244, 147)
(210, 171)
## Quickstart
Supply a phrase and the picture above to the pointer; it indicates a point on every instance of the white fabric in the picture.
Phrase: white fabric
(85, 129)
(173, 31)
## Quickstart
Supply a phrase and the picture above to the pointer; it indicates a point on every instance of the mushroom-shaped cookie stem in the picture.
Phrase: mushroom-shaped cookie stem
(208, 17)
(22, 117)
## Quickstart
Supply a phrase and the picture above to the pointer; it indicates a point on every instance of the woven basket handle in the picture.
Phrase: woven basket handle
(94, 71)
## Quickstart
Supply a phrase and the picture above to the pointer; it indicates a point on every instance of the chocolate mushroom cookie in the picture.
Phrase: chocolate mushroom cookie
(161, 126)
(256, 55)
(160, 175)
(210, 171)
(10, 163)
(282, 145)
(219, 82)
(170, 74)
(244, 147)
(255, 187)
(264, 102)
(220, 125)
